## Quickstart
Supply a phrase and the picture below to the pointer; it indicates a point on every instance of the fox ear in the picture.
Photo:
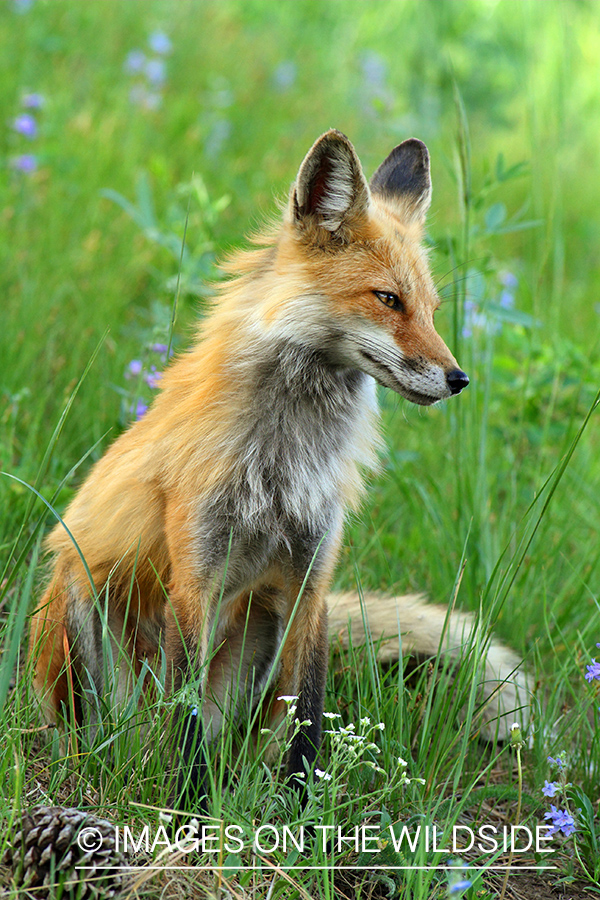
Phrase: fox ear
(404, 180)
(330, 190)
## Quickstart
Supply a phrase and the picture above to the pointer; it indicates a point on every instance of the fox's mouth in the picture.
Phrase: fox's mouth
(393, 382)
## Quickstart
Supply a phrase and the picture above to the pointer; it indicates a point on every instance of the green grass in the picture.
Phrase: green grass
(503, 481)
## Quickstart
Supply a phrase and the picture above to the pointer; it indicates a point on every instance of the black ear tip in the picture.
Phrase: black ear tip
(416, 143)
(415, 150)
(404, 175)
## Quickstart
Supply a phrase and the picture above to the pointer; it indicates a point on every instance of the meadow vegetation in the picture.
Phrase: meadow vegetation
(140, 142)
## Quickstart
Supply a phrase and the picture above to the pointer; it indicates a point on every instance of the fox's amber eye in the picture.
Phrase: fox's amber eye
(391, 300)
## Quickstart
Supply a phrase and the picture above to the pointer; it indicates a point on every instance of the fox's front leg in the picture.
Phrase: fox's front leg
(305, 658)
(186, 654)
(305, 653)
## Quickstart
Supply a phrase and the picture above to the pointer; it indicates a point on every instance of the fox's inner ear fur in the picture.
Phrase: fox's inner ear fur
(330, 190)
(403, 179)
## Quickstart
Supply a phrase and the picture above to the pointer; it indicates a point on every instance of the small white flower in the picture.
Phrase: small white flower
(331, 715)
(323, 775)
(165, 816)
(288, 698)
(365, 721)
(381, 726)
(402, 762)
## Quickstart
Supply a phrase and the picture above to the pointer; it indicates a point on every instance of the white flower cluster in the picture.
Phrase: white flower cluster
(350, 745)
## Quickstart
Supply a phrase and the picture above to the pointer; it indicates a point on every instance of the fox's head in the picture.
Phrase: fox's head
(351, 251)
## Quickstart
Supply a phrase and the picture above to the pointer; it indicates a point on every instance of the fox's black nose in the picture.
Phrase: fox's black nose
(456, 381)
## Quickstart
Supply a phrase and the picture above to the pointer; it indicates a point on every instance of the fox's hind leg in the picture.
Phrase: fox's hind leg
(48, 642)
(87, 652)
(64, 619)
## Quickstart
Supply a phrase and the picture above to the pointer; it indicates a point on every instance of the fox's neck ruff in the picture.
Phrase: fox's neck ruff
(300, 429)
(313, 428)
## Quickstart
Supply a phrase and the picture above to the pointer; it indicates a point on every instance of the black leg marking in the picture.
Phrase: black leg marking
(191, 794)
(311, 701)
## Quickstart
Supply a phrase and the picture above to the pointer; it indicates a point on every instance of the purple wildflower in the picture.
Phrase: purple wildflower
(138, 409)
(550, 788)
(159, 42)
(134, 368)
(593, 671)
(33, 101)
(557, 762)
(507, 300)
(159, 348)
(509, 280)
(25, 125)
(374, 68)
(463, 885)
(152, 378)
(561, 821)
(285, 75)
(156, 72)
(458, 882)
(26, 162)
(135, 61)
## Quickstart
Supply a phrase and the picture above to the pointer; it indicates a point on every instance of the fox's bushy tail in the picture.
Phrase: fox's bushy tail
(409, 625)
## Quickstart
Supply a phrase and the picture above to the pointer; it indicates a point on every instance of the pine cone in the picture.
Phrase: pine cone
(70, 847)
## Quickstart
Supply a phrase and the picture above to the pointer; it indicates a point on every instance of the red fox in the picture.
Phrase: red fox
(216, 519)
